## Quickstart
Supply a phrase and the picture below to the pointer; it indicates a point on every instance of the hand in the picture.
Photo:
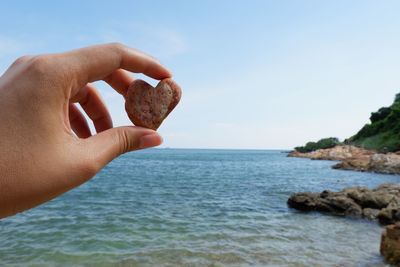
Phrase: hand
(40, 156)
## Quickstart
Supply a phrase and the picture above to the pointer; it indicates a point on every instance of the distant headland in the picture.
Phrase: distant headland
(375, 147)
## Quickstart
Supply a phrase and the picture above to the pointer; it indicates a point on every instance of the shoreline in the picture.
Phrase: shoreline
(381, 203)
(355, 158)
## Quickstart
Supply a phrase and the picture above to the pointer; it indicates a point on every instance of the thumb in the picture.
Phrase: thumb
(107, 145)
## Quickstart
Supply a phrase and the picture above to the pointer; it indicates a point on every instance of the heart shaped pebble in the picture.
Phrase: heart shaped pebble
(148, 106)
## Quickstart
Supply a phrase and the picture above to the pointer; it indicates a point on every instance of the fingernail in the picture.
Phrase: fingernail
(150, 140)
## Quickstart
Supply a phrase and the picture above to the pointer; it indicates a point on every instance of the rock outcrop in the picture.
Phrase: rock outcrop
(382, 203)
(355, 158)
(390, 244)
(340, 152)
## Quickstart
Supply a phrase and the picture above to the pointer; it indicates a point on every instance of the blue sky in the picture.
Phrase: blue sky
(254, 74)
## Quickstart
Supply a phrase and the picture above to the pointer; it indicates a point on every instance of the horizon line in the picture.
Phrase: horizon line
(220, 148)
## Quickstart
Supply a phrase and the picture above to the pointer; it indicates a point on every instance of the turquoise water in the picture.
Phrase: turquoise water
(168, 207)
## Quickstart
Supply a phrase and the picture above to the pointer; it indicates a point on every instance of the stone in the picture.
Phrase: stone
(303, 201)
(390, 244)
(325, 193)
(338, 204)
(390, 188)
(385, 163)
(385, 216)
(147, 106)
(356, 193)
(342, 205)
(370, 214)
(359, 164)
(355, 158)
(394, 203)
(382, 203)
(375, 200)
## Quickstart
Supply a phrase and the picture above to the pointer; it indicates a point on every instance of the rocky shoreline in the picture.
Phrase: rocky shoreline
(382, 203)
(355, 158)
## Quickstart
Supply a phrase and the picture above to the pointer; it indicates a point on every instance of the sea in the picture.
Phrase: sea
(195, 207)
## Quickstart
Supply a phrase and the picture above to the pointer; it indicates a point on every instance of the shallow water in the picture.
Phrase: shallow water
(170, 207)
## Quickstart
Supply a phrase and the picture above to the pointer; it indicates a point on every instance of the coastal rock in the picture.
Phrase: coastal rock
(375, 199)
(355, 158)
(362, 163)
(385, 163)
(303, 201)
(325, 202)
(339, 152)
(381, 203)
(390, 244)
(389, 215)
(370, 214)
(342, 205)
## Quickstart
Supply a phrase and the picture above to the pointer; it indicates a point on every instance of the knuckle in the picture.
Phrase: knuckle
(125, 143)
(119, 47)
(39, 61)
(40, 64)
(22, 60)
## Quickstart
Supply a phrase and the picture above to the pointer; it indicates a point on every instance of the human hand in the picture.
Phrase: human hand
(40, 156)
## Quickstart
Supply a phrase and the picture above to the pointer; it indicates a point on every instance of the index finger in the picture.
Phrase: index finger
(94, 63)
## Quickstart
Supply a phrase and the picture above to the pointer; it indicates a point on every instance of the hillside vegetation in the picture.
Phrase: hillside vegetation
(383, 132)
(323, 143)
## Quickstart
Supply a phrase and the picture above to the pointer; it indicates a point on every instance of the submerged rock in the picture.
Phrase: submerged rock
(381, 203)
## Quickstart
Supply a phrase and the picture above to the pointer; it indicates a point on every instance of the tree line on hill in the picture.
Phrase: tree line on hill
(381, 134)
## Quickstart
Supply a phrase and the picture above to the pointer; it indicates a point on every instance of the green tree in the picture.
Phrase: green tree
(321, 144)
(383, 133)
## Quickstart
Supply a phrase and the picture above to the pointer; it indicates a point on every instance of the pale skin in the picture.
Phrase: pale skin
(46, 147)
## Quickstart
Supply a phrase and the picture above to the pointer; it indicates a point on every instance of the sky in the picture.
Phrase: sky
(254, 74)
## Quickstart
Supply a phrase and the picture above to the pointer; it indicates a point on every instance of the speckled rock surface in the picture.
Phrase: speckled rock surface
(147, 106)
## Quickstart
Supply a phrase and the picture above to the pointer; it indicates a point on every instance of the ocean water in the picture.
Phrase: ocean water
(172, 207)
